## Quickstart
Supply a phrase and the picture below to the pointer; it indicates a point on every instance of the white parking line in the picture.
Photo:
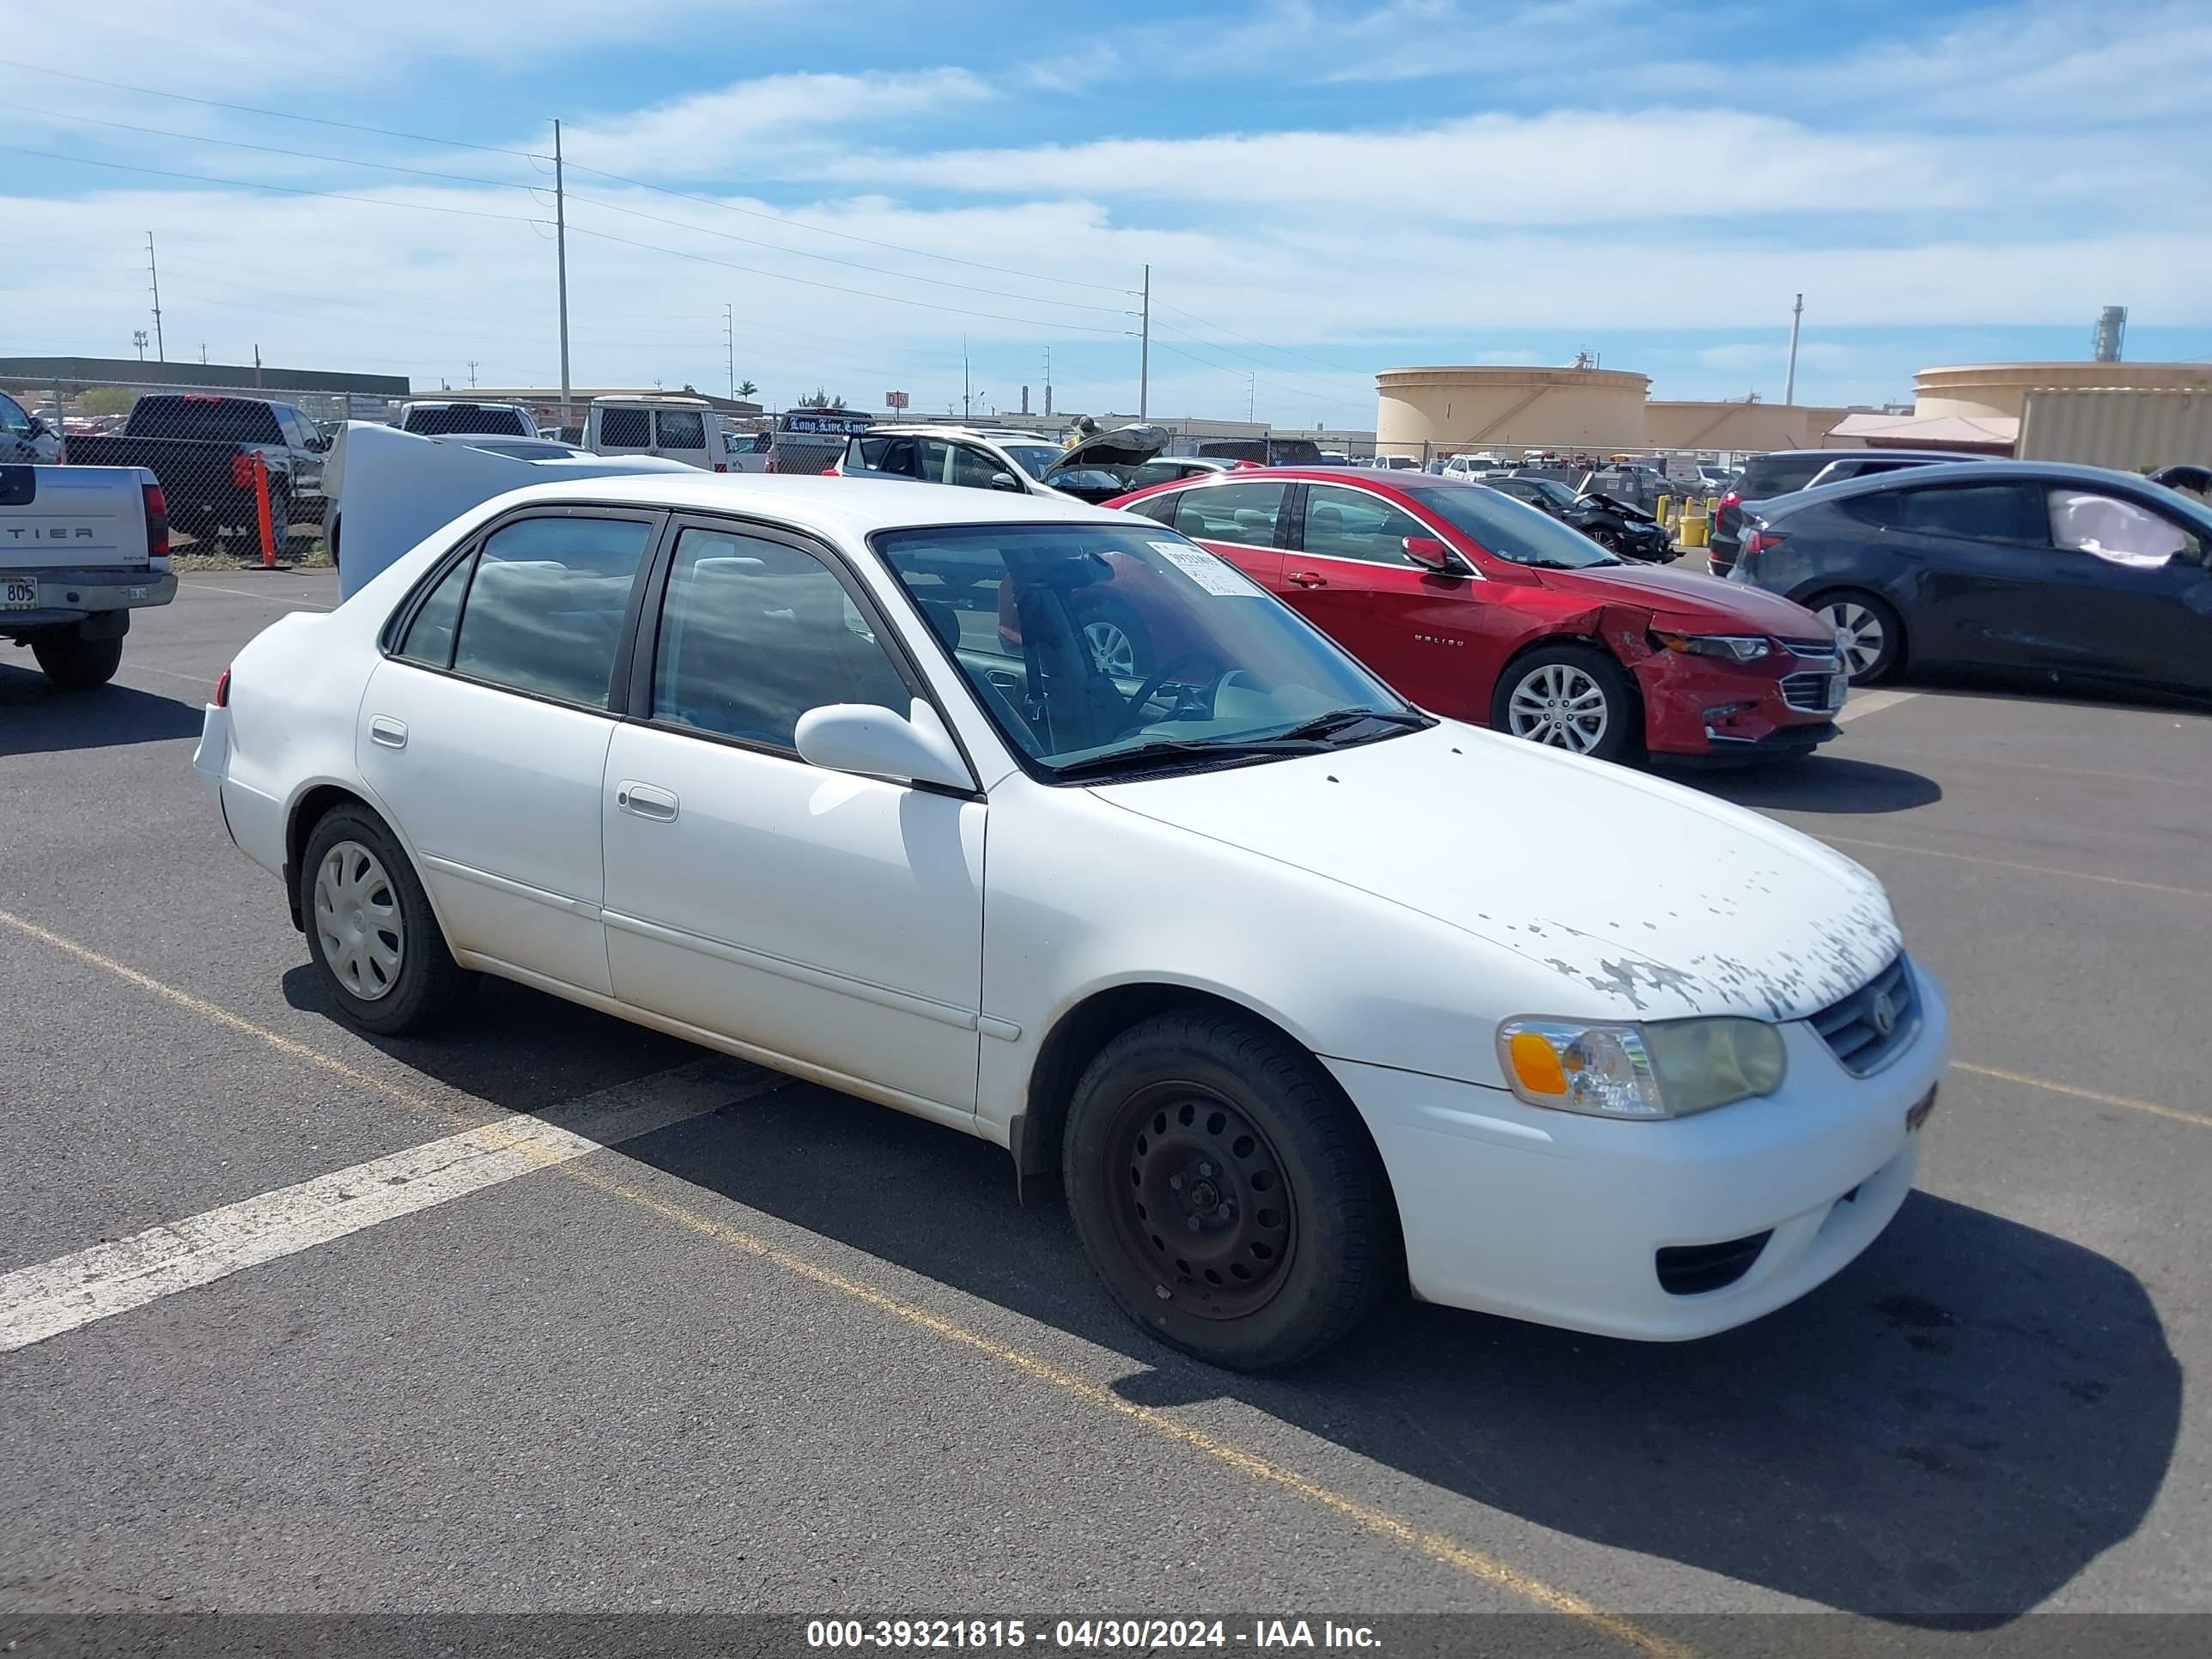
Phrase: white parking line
(248, 593)
(73, 1291)
(1873, 702)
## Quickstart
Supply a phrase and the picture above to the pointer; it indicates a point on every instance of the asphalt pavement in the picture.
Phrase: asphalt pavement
(784, 1350)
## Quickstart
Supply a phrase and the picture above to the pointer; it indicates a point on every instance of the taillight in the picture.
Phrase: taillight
(1730, 500)
(157, 521)
(241, 472)
(222, 687)
(829, 472)
(1758, 542)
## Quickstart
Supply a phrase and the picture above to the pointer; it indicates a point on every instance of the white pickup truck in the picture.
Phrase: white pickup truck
(81, 548)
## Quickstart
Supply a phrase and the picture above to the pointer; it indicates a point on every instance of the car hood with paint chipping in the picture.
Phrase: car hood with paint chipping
(1648, 900)
(1691, 600)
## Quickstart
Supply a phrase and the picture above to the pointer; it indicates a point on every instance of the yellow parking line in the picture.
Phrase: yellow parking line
(2031, 869)
(2102, 1099)
(1367, 1517)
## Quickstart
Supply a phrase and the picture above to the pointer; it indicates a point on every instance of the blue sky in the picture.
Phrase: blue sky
(1322, 189)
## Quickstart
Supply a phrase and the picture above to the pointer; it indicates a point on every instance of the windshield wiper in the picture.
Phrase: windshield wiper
(1562, 564)
(1167, 748)
(1340, 719)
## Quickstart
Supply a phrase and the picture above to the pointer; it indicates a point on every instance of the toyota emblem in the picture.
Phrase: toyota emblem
(1885, 1014)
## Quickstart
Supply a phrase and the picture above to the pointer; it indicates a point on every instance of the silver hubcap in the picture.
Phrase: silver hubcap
(1561, 705)
(1859, 631)
(357, 919)
(1112, 649)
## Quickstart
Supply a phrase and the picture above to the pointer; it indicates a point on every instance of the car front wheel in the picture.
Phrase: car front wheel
(1225, 1191)
(371, 930)
(1573, 697)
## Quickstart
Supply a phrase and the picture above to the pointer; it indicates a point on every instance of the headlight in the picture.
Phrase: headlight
(1735, 648)
(1666, 1068)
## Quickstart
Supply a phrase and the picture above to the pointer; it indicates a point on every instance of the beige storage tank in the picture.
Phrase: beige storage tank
(1456, 410)
(2001, 389)
(2132, 431)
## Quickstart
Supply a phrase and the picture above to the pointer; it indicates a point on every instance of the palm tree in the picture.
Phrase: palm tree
(747, 388)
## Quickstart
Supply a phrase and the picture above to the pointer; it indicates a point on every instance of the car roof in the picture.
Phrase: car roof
(1932, 456)
(1973, 471)
(833, 507)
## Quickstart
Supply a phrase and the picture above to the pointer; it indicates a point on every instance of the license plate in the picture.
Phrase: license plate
(1838, 685)
(1918, 1114)
(20, 593)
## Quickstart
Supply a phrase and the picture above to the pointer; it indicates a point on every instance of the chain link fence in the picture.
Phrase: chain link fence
(218, 452)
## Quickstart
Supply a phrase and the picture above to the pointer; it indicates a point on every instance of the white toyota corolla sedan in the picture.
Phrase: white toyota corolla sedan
(1294, 987)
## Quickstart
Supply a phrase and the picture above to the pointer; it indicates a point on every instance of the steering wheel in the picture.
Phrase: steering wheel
(1160, 676)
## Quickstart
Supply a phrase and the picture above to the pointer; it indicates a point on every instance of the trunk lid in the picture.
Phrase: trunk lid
(75, 518)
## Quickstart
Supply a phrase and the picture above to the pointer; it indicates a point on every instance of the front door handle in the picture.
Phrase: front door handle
(646, 800)
(385, 729)
(1308, 579)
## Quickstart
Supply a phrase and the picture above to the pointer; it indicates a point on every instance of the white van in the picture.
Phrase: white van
(675, 428)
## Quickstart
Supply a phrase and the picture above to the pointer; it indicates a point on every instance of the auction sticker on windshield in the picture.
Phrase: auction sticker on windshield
(1214, 575)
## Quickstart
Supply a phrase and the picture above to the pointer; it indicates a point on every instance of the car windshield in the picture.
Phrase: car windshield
(1035, 460)
(1550, 488)
(1505, 528)
(1101, 650)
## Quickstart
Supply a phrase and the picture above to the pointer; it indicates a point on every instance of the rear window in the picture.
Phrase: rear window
(626, 428)
(1778, 475)
(442, 419)
(220, 419)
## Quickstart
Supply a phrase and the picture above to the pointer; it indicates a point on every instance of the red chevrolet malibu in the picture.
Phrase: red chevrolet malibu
(1479, 607)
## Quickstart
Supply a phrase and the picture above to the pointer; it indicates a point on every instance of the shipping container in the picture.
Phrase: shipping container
(2131, 431)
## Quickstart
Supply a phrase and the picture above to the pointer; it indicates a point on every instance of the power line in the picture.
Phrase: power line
(1231, 369)
(1340, 388)
(268, 149)
(850, 265)
(281, 190)
(844, 235)
(861, 293)
(277, 114)
(1281, 351)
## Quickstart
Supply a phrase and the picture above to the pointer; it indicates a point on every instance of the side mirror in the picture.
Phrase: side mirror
(38, 429)
(880, 743)
(1004, 481)
(1428, 552)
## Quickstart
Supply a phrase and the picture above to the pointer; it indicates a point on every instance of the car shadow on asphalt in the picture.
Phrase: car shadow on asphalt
(37, 718)
(1947, 1433)
(1820, 783)
(1944, 1435)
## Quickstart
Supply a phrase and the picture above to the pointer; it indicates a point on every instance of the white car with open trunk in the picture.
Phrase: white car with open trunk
(822, 773)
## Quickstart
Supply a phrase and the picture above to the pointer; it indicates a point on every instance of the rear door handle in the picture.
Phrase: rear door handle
(391, 734)
(646, 800)
(1308, 579)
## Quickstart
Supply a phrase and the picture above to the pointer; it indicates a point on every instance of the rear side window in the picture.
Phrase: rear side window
(753, 633)
(430, 637)
(681, 428)
(1778, 475)
(1159, 508)
(1245, 512)
(1980, 513)
(625, 429)
(546, 610)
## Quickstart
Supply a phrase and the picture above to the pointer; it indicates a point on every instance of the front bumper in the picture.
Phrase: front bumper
(78, 594)
(1551, 1217)
(1702, 706)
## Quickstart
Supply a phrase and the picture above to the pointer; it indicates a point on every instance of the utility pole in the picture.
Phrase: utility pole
(1790, 383)
(966, 411)
(160, 349)
(561, 259)
(1251, 381)
(138, 338)
(1047, 379)
(1145, 352)
(730, 347)
(472, 372)
(257, 366)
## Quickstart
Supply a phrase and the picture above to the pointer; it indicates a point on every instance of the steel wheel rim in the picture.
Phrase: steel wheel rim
(1560, 705)
(1111, 647)
(357, 920)
(1860, 633)
(1199, 1200)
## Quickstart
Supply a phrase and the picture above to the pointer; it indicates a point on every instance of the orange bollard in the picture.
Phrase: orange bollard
(261, 500)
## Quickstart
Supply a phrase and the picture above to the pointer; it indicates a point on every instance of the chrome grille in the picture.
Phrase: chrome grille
(1813, 650)
(1808, 692)
(1868, 1028)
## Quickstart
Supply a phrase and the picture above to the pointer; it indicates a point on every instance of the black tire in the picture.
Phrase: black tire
(1608, 538)
(1621, 738)
(1238, 1281)
(428, 987)
(75, 663)
(1843, 607)
(330, 541)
